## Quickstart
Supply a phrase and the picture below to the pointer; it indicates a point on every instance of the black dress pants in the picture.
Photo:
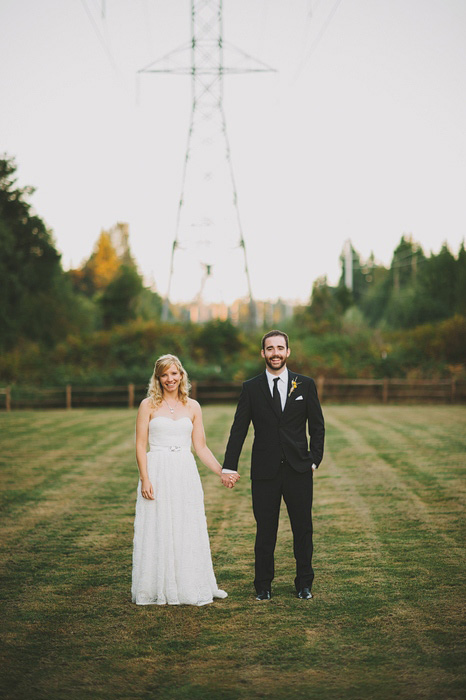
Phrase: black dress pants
(296, 489)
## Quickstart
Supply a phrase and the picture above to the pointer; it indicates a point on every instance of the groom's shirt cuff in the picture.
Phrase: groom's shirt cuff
(233, 471)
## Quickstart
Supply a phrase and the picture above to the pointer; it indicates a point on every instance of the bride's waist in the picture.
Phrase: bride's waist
(169, 448)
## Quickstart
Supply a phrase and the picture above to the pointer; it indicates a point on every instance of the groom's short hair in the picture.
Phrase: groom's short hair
(270, 334)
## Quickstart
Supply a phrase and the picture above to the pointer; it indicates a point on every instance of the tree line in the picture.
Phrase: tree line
(414, 290)
(99, 323)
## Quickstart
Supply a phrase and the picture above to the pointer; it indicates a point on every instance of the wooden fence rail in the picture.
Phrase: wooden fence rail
(392, 390)
(382, 391)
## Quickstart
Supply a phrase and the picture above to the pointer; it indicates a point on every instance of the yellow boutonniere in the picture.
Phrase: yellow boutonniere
(294, 385)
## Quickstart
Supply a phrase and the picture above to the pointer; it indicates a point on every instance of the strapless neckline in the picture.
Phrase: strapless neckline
(172, 420)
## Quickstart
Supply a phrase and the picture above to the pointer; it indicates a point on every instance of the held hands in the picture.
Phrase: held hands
(147, 490)
(229, 480)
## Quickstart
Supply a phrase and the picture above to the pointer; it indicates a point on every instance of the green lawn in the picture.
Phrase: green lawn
(386, 618)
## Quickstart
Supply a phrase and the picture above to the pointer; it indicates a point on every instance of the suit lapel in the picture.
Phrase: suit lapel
(264, 384)
(288, 398)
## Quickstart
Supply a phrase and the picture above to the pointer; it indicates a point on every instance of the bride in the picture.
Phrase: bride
(171, 556)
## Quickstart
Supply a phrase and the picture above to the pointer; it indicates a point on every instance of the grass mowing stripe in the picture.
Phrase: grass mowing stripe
(384, 621)
(439, 490)
(48, 489)
(443, 434)
(392, 550)
(407, 509)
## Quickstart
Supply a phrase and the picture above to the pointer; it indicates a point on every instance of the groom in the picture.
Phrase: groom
(279, 403)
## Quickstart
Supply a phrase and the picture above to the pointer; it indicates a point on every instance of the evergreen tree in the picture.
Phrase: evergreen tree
(460, 291)
(36, 300)
(119, 299)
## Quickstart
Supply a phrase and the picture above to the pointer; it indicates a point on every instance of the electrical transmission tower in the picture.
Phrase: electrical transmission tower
(208, 246)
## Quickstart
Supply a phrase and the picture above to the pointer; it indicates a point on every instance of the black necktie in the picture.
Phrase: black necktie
(276, 394)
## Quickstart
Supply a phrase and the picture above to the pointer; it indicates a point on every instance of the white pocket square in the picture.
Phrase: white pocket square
(299, 398)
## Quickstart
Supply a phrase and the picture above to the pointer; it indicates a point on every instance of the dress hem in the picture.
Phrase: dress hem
(223, 595)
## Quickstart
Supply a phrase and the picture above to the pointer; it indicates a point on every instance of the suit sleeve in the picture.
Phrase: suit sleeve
(238, 431)
(316, 425)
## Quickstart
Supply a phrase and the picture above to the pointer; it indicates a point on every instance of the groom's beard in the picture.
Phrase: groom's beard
(268, 362)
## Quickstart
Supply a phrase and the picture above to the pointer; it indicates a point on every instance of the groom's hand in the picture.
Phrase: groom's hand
(229, 479)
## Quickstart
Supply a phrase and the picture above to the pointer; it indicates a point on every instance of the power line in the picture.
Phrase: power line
(147, 24)
(317, 40)
(100, 37)
(395, 263)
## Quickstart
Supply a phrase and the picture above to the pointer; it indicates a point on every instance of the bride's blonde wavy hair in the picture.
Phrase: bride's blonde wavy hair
(155, 392)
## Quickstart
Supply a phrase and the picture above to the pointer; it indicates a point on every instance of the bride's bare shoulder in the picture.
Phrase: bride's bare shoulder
(194, 407)
(146, 406)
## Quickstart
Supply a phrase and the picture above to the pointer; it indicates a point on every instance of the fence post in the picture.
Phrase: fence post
(194, 389)
(130, 395)
(320, 386)
(385, 390)
(8, 398)
(453, 390)
(68, 397)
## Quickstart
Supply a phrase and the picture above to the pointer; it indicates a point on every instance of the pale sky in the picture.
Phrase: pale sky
(360, 134)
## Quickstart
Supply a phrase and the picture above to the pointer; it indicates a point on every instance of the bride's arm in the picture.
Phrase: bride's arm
(199, 441)
(142, 432)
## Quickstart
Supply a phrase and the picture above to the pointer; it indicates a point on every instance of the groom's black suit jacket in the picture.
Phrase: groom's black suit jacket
(277, 434)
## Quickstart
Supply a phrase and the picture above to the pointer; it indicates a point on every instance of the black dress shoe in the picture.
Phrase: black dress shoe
(263, 595)
(305, 593)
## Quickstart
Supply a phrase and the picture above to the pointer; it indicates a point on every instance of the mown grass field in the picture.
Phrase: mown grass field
(386, 620)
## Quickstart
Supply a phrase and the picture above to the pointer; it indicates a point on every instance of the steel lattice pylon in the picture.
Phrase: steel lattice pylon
(208, 225)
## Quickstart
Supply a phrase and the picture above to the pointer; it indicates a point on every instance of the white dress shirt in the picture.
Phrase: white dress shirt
(282, 384)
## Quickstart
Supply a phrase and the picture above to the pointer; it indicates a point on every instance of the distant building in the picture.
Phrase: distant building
(268, 313)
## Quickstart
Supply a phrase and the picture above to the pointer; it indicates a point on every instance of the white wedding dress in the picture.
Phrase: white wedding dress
(172, 563)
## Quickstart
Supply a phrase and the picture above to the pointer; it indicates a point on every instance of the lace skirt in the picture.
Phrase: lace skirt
(172, 562)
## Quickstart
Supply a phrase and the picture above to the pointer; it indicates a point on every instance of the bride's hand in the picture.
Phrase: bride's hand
(147, 490)
(229, 480)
